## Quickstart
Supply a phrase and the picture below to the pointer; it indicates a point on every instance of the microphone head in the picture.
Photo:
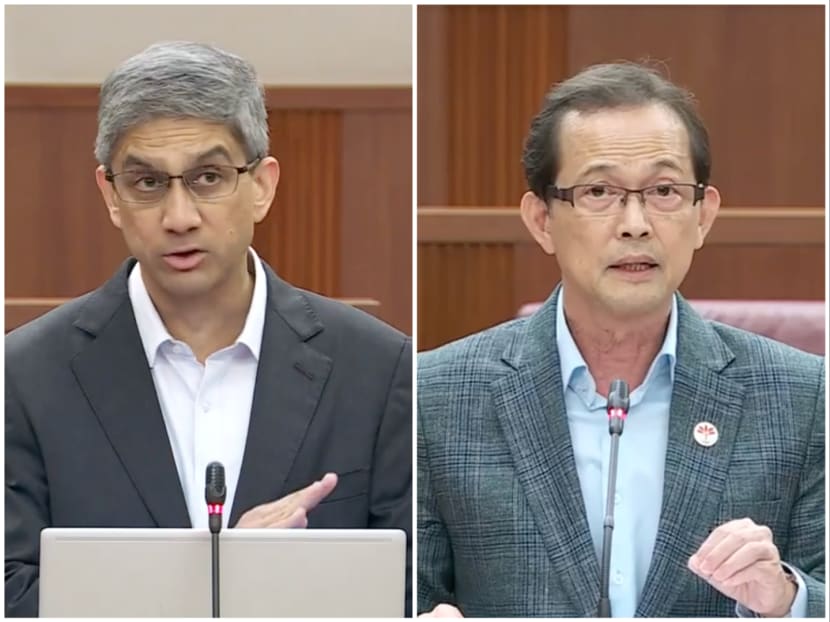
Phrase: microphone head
(618, 395)
(215, 490)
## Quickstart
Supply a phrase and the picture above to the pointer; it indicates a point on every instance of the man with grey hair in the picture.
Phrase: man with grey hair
(195, 351)
(719, 507)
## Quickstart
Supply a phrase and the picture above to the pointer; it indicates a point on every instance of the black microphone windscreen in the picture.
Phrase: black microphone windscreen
(215, 490)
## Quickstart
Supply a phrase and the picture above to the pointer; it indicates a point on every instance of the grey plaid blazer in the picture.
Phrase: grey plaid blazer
(502, 529)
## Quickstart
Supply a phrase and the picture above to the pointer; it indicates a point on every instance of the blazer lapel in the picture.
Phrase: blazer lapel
(290, 380)
(113, 373)
(530, 407)
(694, 475)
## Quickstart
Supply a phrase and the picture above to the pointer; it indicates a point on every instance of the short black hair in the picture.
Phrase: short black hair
(601, 87)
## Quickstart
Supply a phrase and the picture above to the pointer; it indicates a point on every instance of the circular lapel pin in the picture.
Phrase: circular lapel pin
(706, 434)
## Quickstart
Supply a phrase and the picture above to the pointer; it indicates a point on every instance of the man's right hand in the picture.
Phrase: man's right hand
(291, 511)
(443, 611)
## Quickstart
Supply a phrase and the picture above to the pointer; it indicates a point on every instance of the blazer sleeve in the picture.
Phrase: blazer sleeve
(805, 550)
(435, 567)
(27, 508)
(391, 484)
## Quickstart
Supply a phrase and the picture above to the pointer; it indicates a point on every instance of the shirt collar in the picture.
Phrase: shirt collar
(570, 358)
(154, 333)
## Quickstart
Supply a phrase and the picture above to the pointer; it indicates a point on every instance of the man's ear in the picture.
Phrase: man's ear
(108, 192)
(536, 216)
(266, 177)
(707, 213)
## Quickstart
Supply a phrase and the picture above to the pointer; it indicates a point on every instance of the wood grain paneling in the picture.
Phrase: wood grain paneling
(761, 99)
(433, 125)
(301, 233)
(60, 243)
(462, 289)
(485, 78)
(377, 211)
(499, 63)
(59, 239)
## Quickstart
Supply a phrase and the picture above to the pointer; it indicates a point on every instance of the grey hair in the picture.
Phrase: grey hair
(601, 87)
(181, 79)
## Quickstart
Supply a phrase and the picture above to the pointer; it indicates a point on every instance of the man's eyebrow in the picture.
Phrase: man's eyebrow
(219, 150)
(135, 161)
(604, 167)
(600, 167)
(667, 163)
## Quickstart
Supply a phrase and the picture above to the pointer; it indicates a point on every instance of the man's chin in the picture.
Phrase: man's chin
(635, 299)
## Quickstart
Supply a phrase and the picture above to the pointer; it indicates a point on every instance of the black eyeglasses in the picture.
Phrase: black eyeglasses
(145, 187)
(603, 199)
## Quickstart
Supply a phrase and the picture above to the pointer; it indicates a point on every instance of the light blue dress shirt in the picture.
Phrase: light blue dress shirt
(642, 455)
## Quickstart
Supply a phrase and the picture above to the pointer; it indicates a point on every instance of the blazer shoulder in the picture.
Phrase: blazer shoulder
(47, 332)
(476, 356)
(756, 351)
(348, 324)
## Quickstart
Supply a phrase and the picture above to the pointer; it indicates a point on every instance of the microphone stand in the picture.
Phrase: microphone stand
(618, 402)
(608, 531)
(215, 493)
(214, 571)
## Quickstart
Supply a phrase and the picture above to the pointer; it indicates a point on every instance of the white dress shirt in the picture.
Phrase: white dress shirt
(206, 408)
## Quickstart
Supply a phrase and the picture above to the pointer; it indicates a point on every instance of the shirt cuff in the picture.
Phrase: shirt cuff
(798, 608)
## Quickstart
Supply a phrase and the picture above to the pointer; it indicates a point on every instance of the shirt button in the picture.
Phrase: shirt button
(617, 499)
(618, 578)
(206, 406)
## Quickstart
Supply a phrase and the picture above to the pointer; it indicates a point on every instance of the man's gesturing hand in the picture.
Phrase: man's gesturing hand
(740, 560)
(442, 611)
(292, 509)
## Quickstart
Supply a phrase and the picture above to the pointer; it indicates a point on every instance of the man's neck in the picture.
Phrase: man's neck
(617, 348)
(212, 322)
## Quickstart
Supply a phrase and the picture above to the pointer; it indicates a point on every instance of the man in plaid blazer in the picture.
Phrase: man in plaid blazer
(726, 515)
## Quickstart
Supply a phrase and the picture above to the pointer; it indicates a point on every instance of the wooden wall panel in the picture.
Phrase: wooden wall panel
(60, 243)
(757, 72)
(762, 100)
(499, 63)
(462, 289)
(433, 125)
(377, 211)
(59, 239)
(300, 236)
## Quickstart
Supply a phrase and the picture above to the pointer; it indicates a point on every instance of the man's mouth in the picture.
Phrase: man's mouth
(184, 260)
(634, 267)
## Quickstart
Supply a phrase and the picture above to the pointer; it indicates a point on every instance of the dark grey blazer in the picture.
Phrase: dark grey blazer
(86, 444)
(502, 529)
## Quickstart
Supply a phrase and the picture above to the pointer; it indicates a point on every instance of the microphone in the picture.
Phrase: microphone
(215, 493)
(618, 402)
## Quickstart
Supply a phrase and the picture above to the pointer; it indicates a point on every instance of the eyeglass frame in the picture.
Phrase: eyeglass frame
(567, 194)
(110, 176)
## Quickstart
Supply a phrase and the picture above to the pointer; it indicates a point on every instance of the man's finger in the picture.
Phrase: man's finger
(311, 495)
(755, 572)
(296, 520)
(749, 554)
(443, 611)
(718, 534)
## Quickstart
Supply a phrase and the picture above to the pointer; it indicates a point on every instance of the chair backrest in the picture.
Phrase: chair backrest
(799, 323)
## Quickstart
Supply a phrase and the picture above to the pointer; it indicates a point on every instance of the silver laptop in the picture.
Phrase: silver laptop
(263, 573)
